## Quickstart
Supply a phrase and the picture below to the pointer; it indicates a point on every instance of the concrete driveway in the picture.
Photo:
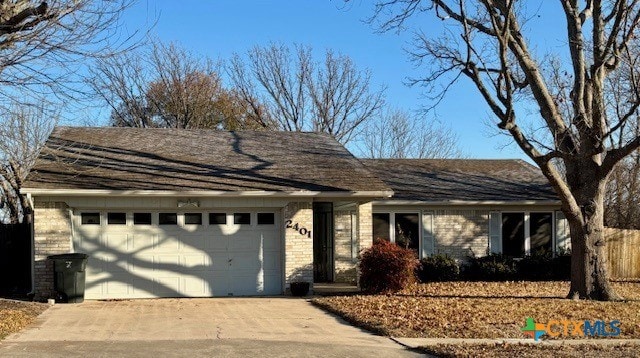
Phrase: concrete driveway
(220, 327)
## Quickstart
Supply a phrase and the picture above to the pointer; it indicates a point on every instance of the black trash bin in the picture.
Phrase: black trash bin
(68, 271)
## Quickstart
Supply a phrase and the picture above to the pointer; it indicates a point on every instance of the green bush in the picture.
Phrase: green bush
(494, 267)
(386, 267)
(438, 268)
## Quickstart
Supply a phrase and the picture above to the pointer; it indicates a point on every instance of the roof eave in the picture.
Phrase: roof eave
(207, 193)
(466, 202)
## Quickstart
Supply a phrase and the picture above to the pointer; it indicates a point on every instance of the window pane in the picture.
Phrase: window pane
(168, 219)
(540, 230)
(90, 218)
(513, 234)
(141, 218)
(193, 219)
(242, 219)
(408, 231)
(217, 219)
(117, 219)
(381, 226)
(266, 219)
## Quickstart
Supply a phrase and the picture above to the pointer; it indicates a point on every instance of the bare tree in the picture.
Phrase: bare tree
(287, 87)
(23, 131)
(44, 46)
(622, 200)
(486, 41)
(167, 86)
(399, 135)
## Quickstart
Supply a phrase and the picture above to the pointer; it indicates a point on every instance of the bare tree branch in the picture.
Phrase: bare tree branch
(299, 94)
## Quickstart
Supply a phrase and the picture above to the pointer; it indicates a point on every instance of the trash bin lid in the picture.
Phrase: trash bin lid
(70, 256)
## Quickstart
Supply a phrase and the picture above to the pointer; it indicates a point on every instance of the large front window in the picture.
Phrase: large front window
(401, 228)
(526, 233)
(513, 234)
(541, 230)
(408, 231)
(381, 225)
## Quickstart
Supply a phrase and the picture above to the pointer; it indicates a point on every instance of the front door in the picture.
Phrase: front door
(322, 242)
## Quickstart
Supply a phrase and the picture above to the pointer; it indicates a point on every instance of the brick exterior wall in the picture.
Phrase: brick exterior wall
(365, 228)
(298, 250)
(460, 233)
(52, 235)
(346, 249)
(365, 225)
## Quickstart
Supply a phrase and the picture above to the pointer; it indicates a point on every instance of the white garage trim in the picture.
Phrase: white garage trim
(181, 260)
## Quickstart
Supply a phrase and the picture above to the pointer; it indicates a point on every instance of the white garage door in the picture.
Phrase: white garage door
(138, 254)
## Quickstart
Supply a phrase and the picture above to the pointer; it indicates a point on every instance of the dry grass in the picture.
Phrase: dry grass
(15, 315)
(533, 351)
(481, 309)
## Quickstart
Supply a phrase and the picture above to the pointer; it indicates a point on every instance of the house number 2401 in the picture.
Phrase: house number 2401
(302, 230)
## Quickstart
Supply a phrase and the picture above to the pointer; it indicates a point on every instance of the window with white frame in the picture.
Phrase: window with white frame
(403, 228)
(521, 233)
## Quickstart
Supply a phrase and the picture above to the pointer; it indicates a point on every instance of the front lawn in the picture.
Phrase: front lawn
(533, 350)
(15, 315)
(481, 309)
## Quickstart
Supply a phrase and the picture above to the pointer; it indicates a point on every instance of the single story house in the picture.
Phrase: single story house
(199, 213)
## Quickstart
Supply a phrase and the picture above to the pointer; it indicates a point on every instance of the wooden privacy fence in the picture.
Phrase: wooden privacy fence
(623, 247)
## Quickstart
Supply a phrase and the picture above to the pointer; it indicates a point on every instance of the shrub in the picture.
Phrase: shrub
(545, 267)
(386, 267)
(438, 268)
(494, 267)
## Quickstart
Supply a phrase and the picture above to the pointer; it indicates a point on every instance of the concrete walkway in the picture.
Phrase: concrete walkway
(221, 327)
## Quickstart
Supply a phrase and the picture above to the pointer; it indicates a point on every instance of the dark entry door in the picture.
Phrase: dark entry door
(322, 242)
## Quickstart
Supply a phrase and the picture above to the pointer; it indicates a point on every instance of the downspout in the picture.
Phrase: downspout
(33, 248)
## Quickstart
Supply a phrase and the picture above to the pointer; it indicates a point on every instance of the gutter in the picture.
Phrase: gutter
(465, 202)
(208, 193)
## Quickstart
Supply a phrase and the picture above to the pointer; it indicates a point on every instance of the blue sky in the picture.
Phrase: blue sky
(219, 28)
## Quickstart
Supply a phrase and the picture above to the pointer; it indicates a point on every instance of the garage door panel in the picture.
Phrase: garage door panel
(133, 261)
(192, 242)
(94, 265)
(120, 242)
(244, 241)
(271, 262)
(168, 286)
(219, 283)
(220, 264)
(168, 244)
(140, 241)
(196, 261)
(195, 286)
(143, 265)
(142, 288)
(217, 242)
(245, 261)
(247, 284)
(118, 288)
(167, 260)
(271, 241)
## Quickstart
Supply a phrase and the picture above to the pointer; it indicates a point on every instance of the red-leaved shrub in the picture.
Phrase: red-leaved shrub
(386, 267)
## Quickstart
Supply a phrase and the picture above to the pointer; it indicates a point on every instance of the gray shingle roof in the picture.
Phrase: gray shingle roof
(195, 160)
(443, 180)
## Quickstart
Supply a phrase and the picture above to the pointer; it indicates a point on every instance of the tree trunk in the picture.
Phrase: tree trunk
(589, 270)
